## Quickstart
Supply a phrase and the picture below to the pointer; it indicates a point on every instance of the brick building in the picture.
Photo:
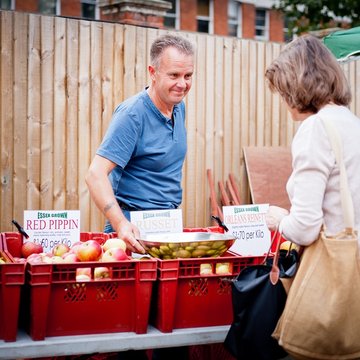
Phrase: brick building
(251, 19)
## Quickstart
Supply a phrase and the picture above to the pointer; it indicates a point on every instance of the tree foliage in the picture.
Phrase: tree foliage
(307, 15)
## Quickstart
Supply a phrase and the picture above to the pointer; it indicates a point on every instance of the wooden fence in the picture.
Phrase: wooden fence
(61, 79)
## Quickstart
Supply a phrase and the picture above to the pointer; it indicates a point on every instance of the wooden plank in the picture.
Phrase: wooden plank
(141, 59)
(118, 71)
(276, 107)
(268, 169)
(96, 121)
(234, 187)
(218, 110)
(47, 112)
(129, 64)
(20, 94)
(214, 206)
(244, 113)
(200, 133)
(225, 200)
(227, 107)
(260, 94)
(72, 108)
(34, 109)
(7, 205)
(59, 146)
(190, 168)
(107, 68)
(84, 122)
(236, 157)
(210, 157)
(232, 195)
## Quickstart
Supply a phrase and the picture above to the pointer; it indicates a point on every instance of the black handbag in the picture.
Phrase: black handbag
(258, 299)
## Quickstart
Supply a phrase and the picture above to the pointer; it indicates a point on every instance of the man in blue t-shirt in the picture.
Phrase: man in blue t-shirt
(138, 165)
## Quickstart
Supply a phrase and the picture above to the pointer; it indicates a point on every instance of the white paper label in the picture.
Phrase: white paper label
(247, 223)
(157, 221)
(51, 227)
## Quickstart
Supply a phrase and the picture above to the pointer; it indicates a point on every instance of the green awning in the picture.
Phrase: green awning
(344, 44)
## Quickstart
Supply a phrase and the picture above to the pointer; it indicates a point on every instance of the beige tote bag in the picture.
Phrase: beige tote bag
(321, 319)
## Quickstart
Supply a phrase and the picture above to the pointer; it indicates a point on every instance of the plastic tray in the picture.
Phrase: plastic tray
(185, 298)
(55, 304)
(12, 277)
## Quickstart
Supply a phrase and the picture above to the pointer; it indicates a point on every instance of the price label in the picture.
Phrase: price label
(247, 223)
(157, 221)
(50, 227)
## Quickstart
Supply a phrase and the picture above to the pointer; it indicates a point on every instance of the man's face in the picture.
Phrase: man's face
(172, 79)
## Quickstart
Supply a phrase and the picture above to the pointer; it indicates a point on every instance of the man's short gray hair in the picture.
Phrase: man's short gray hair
(183, 45)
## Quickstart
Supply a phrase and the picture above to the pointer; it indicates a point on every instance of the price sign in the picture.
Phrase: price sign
(157, 221)
(52, 227)
(247, 223)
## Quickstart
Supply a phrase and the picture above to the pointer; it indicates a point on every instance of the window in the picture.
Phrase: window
(261, 25)
(171, 19)
(90, 9)
(205, 16)
(234, 18)
(7, 4)
(49, 7)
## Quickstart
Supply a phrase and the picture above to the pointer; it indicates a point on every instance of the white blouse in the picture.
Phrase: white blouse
(313, 186)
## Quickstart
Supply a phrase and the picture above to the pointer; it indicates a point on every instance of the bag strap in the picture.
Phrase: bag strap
(275, 271)
(346, 200)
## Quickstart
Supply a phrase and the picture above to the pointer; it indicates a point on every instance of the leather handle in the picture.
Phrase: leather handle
(275, 271)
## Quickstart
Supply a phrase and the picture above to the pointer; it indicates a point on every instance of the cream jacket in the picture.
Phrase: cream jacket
(313, 186)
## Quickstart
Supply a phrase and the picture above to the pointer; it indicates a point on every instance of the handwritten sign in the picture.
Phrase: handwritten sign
(52, 227)
(157, 221)
(247, 223)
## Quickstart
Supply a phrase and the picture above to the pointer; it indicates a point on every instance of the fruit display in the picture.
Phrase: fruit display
(186, 245)
(110, 250)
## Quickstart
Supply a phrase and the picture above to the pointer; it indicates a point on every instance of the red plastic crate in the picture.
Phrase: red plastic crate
(185, 298)
(55, 304)
(12, 277)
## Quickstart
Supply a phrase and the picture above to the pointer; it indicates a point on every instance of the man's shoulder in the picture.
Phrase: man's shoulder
(132, 102)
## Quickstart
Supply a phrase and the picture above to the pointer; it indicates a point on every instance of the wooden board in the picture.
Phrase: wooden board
(268, 169)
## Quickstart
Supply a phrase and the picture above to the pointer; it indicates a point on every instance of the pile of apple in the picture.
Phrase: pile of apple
(113, 249)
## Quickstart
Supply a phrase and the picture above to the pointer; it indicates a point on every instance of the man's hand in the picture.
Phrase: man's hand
(129, 233)
(274, 216)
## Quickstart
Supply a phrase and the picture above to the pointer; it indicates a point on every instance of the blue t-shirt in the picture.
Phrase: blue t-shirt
(149, 153)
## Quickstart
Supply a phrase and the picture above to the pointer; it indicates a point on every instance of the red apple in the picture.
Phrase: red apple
(114, 243)
(57, 259)
(74, 247)
(114, 254)
(47, 257)
(70, 257)
(83, 274)
(34, 259)
(60, 249)
(90, 250)
(102, 272)
(29, 248)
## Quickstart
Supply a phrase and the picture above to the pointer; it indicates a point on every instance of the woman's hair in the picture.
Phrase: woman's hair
(307, 76)
(183, 45)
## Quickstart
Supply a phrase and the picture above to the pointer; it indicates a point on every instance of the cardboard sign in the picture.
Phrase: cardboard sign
(157, 221)
(51, 227)
(247, 223)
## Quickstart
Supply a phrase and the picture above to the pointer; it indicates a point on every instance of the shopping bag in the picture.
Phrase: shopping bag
(258, 299)
(321, 318)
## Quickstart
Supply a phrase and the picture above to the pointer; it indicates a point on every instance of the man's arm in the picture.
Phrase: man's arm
(102, 194)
